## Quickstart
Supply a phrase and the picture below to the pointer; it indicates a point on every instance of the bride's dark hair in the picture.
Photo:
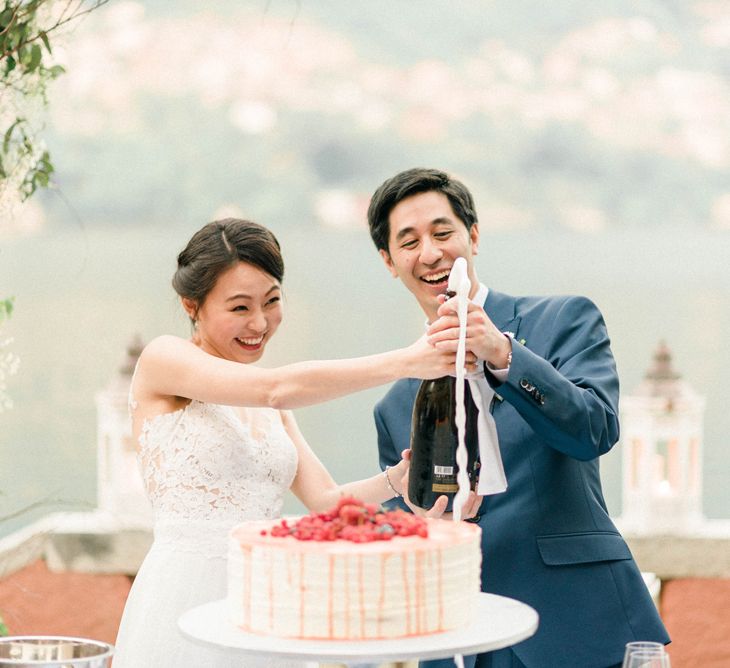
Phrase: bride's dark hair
(219, 245)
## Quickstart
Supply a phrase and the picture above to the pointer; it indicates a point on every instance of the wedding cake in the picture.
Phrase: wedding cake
(355, 572)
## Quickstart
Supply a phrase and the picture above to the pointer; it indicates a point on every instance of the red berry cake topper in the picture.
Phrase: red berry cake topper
(355, 521)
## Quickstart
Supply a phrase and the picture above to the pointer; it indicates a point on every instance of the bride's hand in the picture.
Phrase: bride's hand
(469, 508)
(438, 508)
(424, 360)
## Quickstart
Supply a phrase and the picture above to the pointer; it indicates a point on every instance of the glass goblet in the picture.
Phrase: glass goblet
(637, 646)
(648, 658)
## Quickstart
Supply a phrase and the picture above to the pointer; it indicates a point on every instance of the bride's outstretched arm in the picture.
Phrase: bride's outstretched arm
(171, 366)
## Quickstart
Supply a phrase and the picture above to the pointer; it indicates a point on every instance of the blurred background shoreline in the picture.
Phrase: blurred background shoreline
(84, 295)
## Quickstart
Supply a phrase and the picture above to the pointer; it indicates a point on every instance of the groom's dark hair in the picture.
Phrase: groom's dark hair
(218, 246)
(412, 182)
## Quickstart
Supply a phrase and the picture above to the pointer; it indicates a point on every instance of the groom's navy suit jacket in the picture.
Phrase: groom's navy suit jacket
(548, 540)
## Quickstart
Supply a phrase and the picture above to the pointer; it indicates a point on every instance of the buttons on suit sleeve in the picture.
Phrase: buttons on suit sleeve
(533, 391)
(526, 385)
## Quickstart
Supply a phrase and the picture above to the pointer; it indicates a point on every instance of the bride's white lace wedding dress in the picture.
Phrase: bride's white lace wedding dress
(206, 468)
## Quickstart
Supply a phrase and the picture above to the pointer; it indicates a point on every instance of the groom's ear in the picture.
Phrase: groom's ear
(388, 262)
(474, 236)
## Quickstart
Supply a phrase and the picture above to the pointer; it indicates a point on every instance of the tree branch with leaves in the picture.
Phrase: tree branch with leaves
(27, 28)
(26, 69)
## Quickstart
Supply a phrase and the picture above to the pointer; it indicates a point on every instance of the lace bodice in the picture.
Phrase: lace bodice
(213, 466)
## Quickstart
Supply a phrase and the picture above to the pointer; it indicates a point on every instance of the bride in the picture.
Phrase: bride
(217, 444)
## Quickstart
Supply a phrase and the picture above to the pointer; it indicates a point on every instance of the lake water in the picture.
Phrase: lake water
(82, 294)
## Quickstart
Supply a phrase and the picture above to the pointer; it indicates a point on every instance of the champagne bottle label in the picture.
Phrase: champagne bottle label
(445, 489)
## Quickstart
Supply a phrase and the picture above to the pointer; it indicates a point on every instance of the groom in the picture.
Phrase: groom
(547, 540)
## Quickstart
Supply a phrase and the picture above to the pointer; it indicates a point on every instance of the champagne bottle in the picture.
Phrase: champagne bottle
(434, 439)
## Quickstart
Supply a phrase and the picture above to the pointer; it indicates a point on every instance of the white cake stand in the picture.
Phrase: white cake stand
(499, 622)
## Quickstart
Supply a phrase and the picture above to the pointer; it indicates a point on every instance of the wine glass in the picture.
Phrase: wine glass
(648, 658)
(640, 646)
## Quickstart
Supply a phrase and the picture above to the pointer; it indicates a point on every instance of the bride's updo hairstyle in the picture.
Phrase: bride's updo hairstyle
(218, 246)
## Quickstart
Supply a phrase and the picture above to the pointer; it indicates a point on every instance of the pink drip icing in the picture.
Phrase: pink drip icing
(406, 592)
(330, 594)
(361, 591)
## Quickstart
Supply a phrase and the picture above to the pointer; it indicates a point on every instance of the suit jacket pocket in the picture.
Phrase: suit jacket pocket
(582, 548)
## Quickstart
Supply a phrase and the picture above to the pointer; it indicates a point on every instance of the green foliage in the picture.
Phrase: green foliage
(26, 69)
(6, 308)
(3, 628)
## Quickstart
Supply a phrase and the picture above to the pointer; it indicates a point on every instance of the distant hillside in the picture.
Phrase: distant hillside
(562, 114)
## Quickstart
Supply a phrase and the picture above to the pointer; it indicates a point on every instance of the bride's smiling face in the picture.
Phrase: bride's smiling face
(239, 315)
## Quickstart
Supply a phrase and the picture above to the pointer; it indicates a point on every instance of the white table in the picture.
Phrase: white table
(499, 622)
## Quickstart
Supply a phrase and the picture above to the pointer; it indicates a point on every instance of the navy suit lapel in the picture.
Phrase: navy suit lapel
(501, 310)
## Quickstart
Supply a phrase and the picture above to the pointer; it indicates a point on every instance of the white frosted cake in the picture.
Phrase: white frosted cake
(353, 573)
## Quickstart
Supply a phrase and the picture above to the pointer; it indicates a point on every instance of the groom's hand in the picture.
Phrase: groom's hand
(483, 339)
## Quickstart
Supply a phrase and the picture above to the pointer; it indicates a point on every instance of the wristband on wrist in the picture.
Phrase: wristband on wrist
(509, 354)
(396, 493)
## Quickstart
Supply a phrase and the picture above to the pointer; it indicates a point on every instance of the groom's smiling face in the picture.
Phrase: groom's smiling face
(425, 237)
